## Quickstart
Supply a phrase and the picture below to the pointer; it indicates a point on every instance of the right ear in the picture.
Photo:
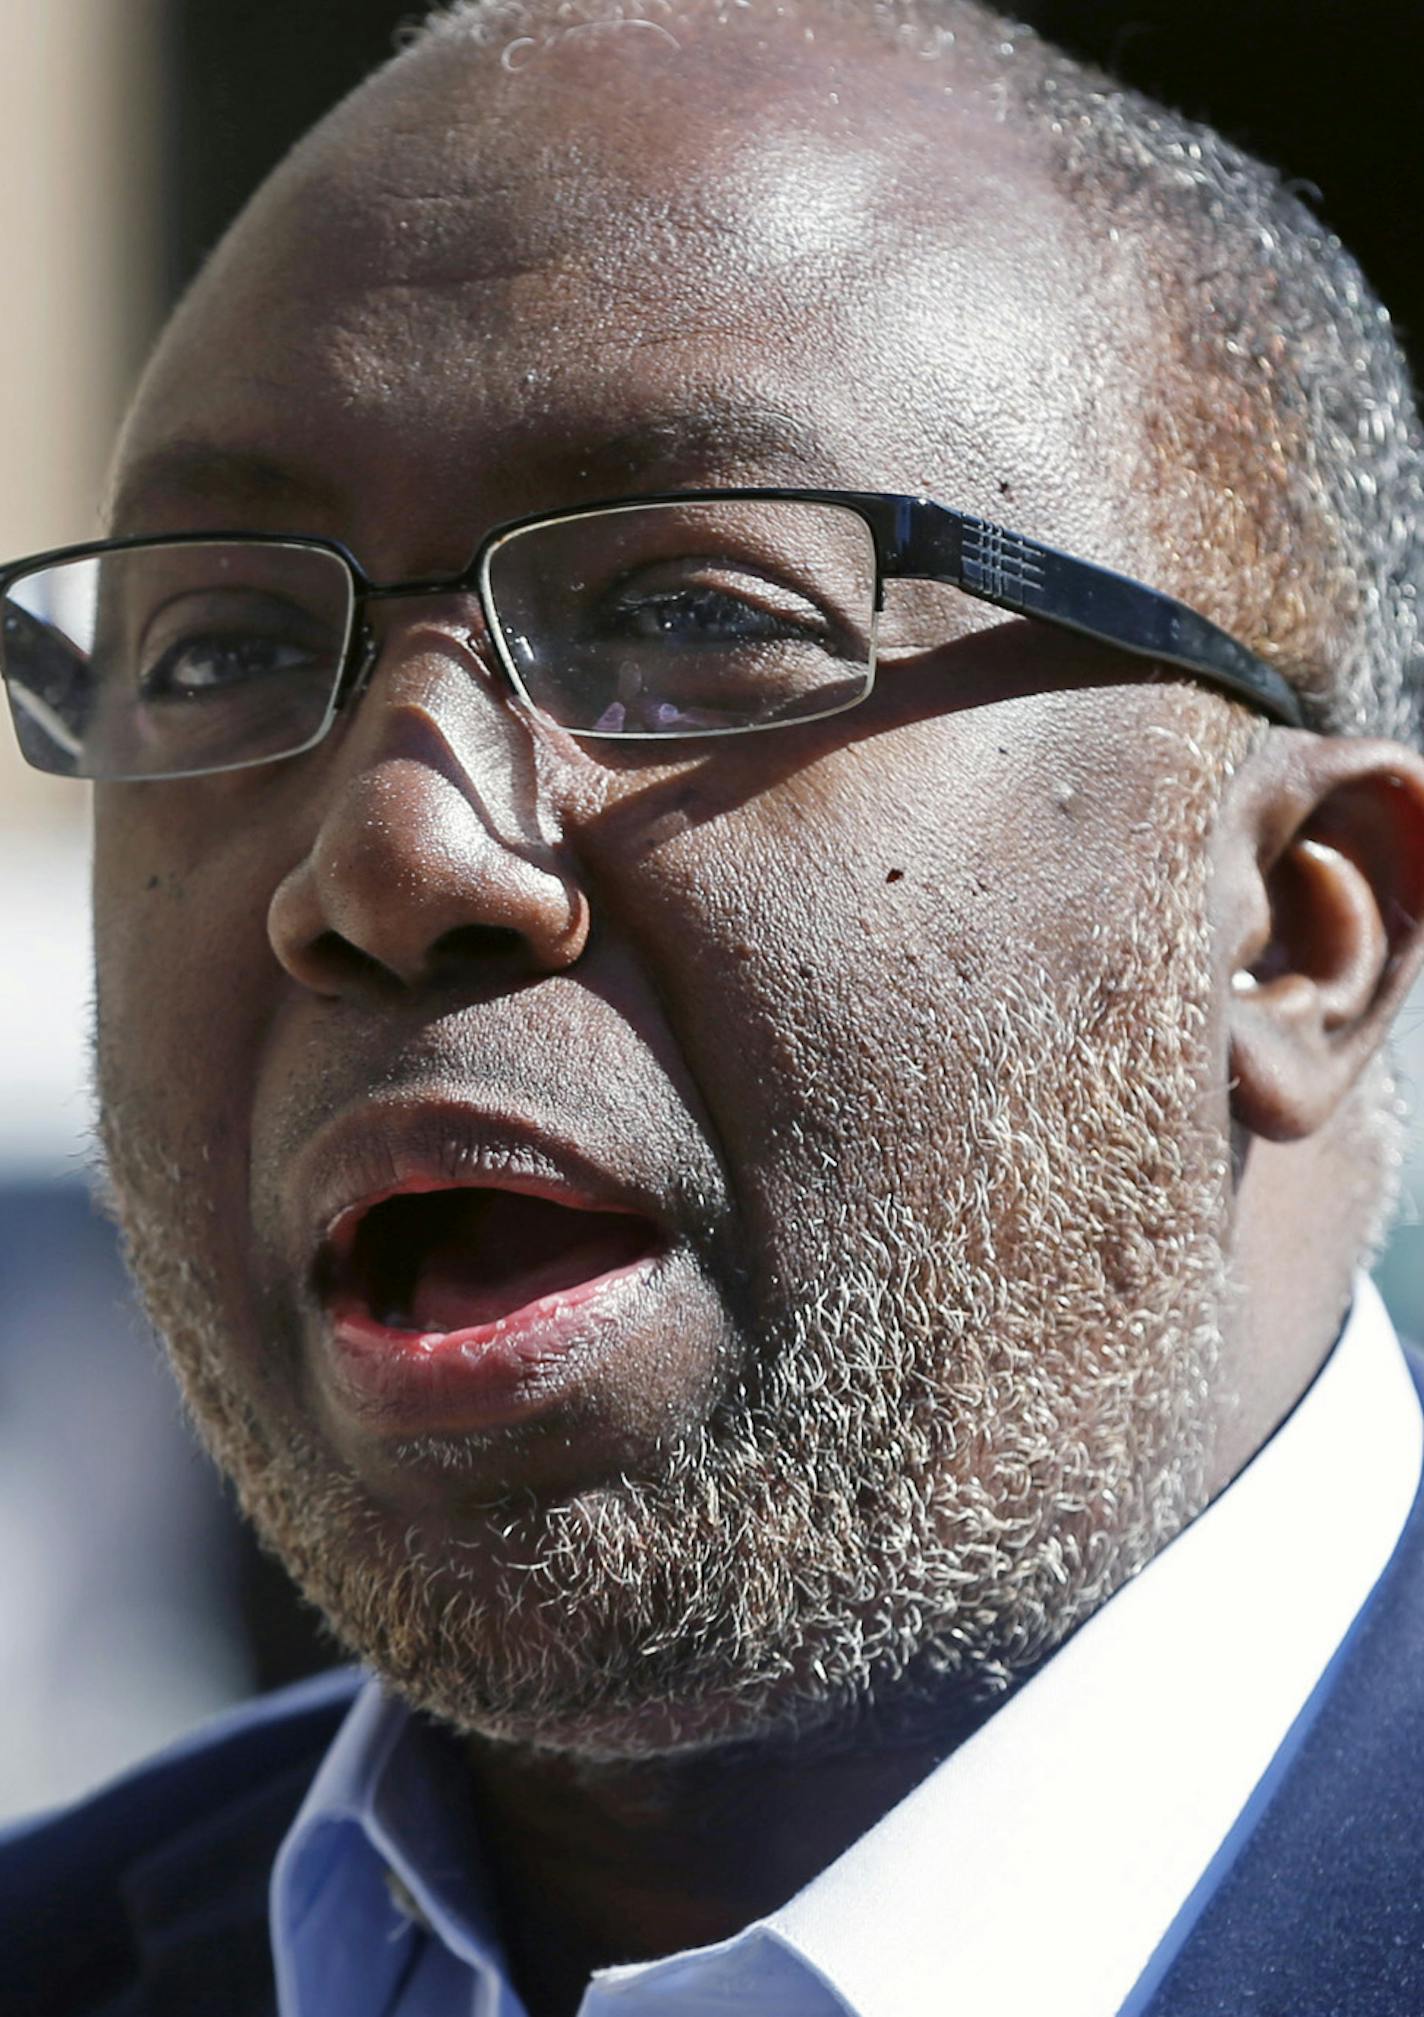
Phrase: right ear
(1318, 895)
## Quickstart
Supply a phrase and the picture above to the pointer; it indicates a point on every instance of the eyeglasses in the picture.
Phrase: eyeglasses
(700, 613)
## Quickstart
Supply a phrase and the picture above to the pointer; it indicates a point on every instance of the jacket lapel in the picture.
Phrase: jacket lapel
(1316, 1903)
(198, 1908)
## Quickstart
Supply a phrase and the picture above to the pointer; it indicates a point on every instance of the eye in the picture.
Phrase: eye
(208, 643)
(210, 663)
(704, 603)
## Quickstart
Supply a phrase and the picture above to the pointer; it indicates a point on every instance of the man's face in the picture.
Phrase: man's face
(834, 1098)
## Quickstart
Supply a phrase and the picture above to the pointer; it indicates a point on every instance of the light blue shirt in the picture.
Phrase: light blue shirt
(1065, 1813)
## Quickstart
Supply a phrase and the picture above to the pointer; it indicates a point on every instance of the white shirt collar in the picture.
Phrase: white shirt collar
(1087, 1808)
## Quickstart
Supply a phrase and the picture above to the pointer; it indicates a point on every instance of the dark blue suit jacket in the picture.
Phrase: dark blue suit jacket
(150, 1900)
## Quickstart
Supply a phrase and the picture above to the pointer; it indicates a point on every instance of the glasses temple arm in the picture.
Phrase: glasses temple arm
(931, 542)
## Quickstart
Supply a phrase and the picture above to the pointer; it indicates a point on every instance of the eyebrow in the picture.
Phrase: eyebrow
(715, 427)
(192, 469)
(710, 428)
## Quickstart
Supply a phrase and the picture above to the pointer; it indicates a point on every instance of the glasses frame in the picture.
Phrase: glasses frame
(915, 539)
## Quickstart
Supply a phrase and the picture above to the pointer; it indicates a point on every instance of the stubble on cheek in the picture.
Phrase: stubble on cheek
(172, 1039)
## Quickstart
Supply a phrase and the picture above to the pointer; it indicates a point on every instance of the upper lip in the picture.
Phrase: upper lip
(381, 1148)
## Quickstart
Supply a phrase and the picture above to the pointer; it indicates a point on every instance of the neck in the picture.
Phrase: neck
(599, 1864)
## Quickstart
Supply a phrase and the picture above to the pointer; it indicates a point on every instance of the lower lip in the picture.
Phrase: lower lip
(404, 1383)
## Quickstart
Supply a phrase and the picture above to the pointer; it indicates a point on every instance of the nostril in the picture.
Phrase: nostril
(474, 945)
(467, 955)
(456, 955)
(333, 965)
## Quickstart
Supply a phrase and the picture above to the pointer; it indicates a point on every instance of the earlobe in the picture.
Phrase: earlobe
(1320, 888)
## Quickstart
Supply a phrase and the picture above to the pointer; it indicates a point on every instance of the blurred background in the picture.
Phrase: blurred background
(131, 1602)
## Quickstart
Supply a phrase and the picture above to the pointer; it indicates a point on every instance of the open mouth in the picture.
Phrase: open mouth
(432, 1263)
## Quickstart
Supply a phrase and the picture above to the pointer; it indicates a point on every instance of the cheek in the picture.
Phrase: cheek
(827, 947)
(184, 980)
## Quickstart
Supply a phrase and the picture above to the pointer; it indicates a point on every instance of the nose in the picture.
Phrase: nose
(434, 858)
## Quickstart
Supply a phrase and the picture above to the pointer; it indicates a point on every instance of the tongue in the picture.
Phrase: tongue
(456, 1291)
(520, 1251)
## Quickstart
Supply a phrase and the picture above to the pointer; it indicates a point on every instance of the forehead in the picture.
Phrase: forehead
(625, 258)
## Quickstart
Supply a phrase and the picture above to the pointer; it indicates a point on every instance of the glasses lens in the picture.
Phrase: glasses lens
(169, 660)
(687, 618)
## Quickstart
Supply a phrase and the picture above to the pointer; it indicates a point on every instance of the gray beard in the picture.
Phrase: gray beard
(965, 1424)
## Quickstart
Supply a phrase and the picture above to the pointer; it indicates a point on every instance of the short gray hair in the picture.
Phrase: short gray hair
(1294, 441)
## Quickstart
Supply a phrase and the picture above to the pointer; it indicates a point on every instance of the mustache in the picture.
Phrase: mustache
(566, 1071)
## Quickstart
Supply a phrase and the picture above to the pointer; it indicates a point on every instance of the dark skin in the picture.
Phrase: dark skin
(652, 1860)
(425, 326)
